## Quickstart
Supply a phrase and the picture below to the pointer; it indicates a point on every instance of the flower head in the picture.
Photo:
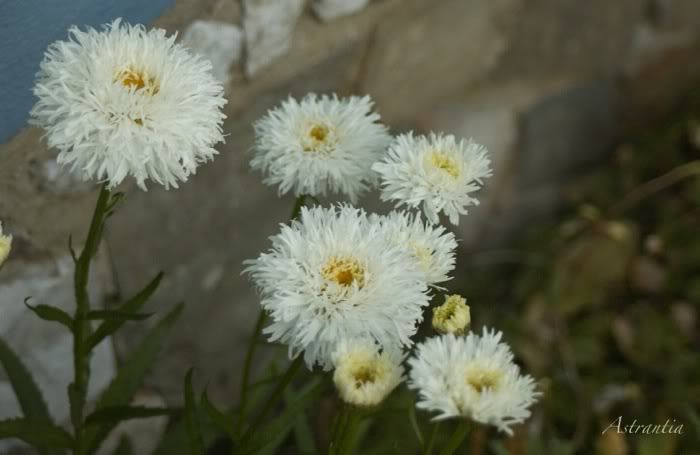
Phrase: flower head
(433, 247)
(332, 275)
(320, 145)
(474, 377)
(125, 101)
(438, 172)
(363, 375)
(5, 246)
(452, 316)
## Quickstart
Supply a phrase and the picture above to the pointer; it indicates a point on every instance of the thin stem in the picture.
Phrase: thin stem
(431, 440)
(81, 326)
(246, 366)
(457, 438)
(274, 397)
(349, 433)
(339, 426)
(655, 185)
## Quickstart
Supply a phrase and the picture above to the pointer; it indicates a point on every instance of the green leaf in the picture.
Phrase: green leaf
(100, 315)
(124, 447)
(51, 313)
(302, 431)
(269, 437)
(194, 432)
(129, 377)
(131, 306)
(116, 414)
(36, 433)
(28, 394)
(220, 419)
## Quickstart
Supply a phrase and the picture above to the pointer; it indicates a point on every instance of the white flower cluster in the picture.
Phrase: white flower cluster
(347, 289)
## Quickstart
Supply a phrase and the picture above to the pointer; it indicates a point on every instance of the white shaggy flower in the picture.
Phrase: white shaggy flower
(453, 316)
(363, 375)
(320, 145)
(5, 246)
(432, 246)
(474, 377)
(436, 171)
(125, 101)
(332, 275)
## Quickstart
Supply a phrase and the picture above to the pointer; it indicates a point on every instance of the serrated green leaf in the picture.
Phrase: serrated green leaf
(104, 315)
(116, 414)
(220, 419)
(51, 313)
(131, 306)
(36, 433)
(194, 432)
(130, 375)
(27, 392)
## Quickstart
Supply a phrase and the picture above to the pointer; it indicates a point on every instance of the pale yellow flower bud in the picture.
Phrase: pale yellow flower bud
(5, 246)
(453, 316)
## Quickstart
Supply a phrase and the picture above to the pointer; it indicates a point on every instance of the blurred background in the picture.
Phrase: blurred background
(584, 250)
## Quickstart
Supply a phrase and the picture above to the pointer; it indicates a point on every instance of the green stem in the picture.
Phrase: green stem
(339, 424)
(431, 440)
(81, 326)
(348, 436)
(246, 367)
(274, 397)
(457, 438)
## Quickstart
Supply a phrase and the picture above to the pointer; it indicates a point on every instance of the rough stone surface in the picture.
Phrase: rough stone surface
(269, 28)
(431, 49)
(219, 42)
(328, 10)
(45, 347)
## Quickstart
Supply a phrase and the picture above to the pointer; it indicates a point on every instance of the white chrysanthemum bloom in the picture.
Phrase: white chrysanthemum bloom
(453, 316)
(473, 377)
(363, 375)
(320, 145)
(332, 275)
(5, 246)
(436, 171)
(125, 101)
(432, 246)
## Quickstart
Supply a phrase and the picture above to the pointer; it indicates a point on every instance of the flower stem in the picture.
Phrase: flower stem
(274, 397)
(298, 204)
(348, 435)
(77, 391)
(431, 440)
(457, 438)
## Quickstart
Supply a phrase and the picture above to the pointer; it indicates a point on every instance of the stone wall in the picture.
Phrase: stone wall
(547, 85)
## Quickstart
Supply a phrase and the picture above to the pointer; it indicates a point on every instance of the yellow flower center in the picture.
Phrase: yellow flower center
(453, 316)
(365, 374)
(480, 378)
(138, 80)
(319, 138)
(445, 163)
(344, 271)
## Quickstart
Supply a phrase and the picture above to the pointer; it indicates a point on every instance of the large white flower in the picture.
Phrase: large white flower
(474, 377)
(436, 171)
(332, 275)
(320, 145)
(364, 373)
(433, 247)
(5, 246)
(127, 101)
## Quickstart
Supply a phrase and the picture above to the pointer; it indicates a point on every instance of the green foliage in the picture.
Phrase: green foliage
(194, 432)
(37, 433)
(51, 313)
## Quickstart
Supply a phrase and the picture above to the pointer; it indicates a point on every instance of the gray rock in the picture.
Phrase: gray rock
(219, 42)
(328, 10)
(268, 26)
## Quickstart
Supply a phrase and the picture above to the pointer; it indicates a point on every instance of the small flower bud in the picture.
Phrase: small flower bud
(453, 316)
